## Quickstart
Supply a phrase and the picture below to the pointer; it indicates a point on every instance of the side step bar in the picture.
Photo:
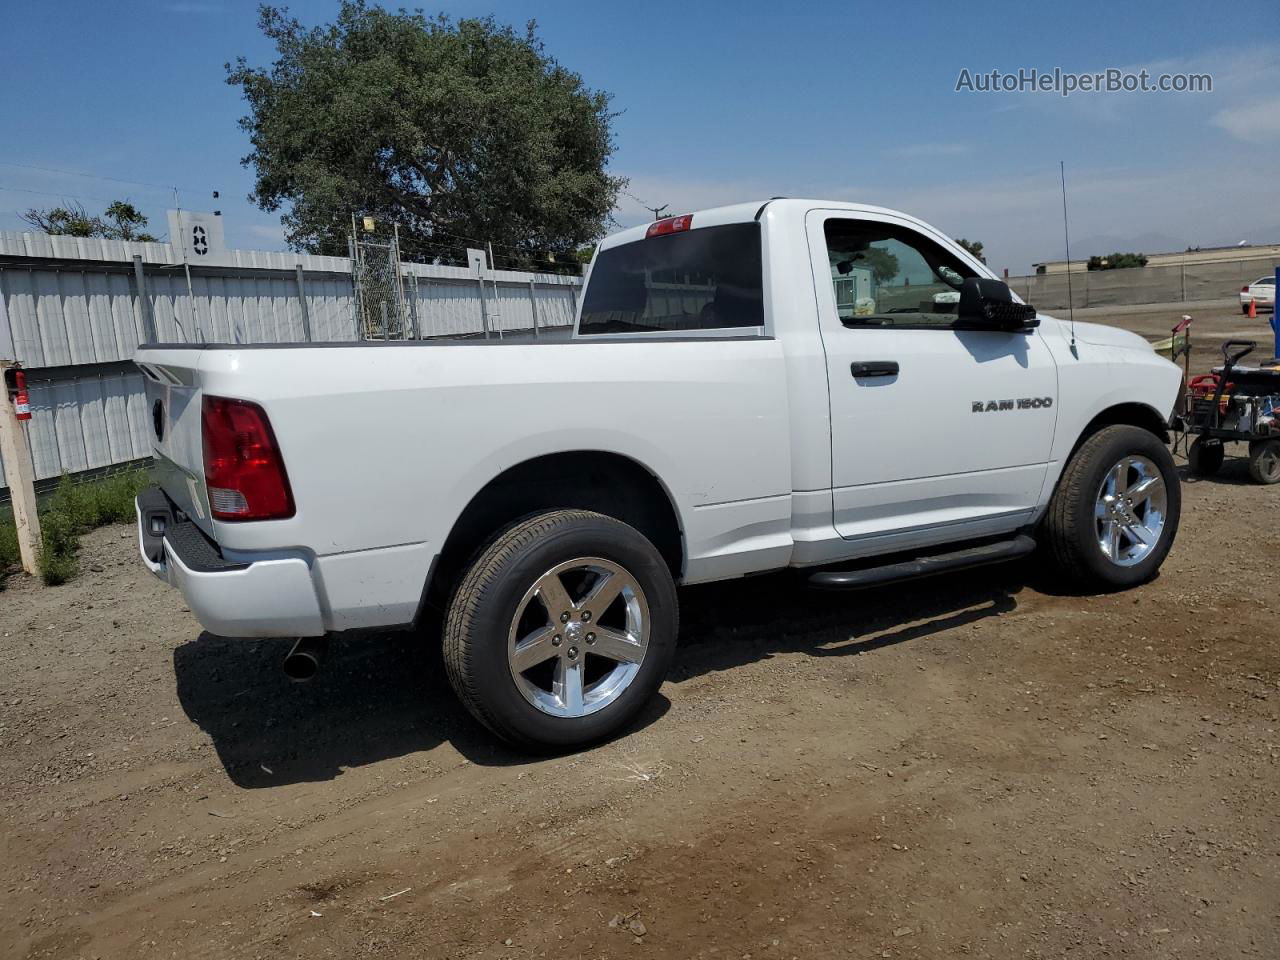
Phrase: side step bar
(927, 566)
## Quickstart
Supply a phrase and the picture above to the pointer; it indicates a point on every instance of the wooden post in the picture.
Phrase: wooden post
(20, 475)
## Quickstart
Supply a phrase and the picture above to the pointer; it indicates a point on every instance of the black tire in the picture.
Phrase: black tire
(1264, 461)
(1070, 528)
(1205, 457)
(489, 595)
(1244, 308)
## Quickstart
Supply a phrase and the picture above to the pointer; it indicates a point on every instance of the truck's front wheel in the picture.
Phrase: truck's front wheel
(1115, 512)
(561, 630)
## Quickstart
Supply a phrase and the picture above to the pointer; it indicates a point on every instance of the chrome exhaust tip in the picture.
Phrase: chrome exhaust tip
(303, 661)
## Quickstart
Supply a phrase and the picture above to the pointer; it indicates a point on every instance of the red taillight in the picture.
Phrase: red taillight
(1245, 288)
(660, 228)
(242, 466)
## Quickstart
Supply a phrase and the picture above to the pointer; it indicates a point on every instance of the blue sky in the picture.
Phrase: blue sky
(728, 101)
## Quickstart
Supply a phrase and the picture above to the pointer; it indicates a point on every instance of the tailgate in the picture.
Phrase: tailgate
(173, 421)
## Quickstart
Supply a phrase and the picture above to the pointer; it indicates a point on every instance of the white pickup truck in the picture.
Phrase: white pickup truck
(791, 383)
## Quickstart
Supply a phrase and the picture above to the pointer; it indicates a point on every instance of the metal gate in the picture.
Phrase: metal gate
(381, 307)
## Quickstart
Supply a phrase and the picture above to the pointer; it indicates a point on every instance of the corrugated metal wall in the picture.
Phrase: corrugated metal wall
(87, 423)
(68, 302)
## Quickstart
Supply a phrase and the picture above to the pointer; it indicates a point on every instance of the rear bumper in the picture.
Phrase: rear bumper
(266, 598)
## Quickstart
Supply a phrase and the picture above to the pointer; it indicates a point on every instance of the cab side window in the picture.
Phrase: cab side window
(884, 275)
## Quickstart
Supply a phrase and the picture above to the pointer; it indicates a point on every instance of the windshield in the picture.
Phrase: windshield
(702, 279)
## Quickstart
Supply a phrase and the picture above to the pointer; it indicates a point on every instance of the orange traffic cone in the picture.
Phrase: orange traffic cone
(1253, 309)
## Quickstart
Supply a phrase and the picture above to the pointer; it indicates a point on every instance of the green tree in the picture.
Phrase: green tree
(883, 264)
(1117, 261)
(121, 221)
(452, 129)
(71, 220)
(125, 222)
(973, 248)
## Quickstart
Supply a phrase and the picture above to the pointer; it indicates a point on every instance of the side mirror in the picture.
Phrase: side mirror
(990, 303)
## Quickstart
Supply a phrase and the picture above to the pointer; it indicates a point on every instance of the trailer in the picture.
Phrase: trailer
(1235, 403)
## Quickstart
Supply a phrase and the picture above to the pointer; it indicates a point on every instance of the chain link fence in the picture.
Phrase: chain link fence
(380, 303)
(1210, 280)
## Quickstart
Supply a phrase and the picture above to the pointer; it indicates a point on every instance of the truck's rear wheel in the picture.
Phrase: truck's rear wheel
(561, 630)
(1115, 513)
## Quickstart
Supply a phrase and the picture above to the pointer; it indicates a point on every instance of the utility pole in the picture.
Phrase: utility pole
(657, 211)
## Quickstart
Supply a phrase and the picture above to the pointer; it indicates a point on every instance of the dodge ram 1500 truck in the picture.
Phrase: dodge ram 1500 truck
(792, 383)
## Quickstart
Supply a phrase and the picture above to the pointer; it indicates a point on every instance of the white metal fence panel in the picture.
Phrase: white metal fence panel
(61, 317)
(65, 317)
(557, 306)
(513, 307)
(448, 308)
(331, 308)
(43, 246)
(87, 423)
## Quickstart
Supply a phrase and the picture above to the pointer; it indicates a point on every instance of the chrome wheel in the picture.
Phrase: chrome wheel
(578, 637)
(1130, 512)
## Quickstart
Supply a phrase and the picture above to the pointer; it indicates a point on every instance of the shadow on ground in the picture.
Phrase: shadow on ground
(725, 625)
(1234, 472)
(376, 697)
(380, 697)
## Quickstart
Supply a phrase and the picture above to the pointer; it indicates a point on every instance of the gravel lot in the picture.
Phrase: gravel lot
(975, 765)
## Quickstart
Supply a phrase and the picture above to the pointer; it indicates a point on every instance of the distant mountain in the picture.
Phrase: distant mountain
(1102, 244)
(1151, 242)
(1266, 236)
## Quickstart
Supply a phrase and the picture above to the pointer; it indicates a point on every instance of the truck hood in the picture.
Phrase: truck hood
(1099, 334)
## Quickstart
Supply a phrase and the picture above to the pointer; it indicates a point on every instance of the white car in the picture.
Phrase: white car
(715, 415)
(1262, 292)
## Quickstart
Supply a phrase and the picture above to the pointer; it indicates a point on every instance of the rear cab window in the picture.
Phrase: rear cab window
(692, 282)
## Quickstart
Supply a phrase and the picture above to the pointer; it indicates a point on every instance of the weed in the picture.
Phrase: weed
(75, 509)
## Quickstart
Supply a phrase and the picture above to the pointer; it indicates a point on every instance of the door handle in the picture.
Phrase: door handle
(875, 368)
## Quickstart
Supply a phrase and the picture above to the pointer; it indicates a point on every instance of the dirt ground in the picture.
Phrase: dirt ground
(970, 766)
